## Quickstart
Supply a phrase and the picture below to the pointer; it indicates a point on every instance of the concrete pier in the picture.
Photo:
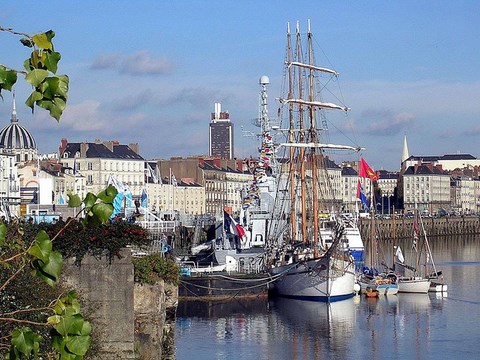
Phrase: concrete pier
(403, 227)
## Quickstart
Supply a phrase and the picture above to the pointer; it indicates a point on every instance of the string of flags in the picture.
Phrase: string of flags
(260, 170)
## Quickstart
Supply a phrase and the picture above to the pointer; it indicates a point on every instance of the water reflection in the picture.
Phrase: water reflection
(316, 329)
(402, 326)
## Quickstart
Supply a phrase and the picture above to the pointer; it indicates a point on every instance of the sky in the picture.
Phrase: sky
(149, 72)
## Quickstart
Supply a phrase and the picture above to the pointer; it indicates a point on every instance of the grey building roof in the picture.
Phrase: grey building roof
(101, 151)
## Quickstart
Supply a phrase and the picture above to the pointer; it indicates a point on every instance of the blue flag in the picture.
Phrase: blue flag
(361, 196)
(144, 199)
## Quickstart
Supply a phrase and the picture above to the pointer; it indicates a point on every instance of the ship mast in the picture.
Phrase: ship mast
(313, 135)
(301, 139)
(293, 217)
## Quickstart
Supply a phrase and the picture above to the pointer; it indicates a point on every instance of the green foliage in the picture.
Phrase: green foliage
(50, 91)
(149, 269)
(105, 240)
(24, 341)
(70, 333)
(46, 263)
(25, 246)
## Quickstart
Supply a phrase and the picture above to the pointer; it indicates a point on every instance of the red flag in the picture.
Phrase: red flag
(366, 171)
(241, 232)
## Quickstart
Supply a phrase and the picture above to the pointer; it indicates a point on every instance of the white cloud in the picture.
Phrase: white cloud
(143, 63)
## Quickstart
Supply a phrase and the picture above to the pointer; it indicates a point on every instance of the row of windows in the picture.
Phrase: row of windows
(112, 166)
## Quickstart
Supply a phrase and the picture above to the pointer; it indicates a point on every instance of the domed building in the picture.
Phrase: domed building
(17, 140)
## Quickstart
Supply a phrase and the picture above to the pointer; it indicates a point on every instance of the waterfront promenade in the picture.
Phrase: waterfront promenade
(402, 228)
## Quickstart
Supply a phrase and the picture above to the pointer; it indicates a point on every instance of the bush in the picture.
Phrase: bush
(151, 268)
(77, 240)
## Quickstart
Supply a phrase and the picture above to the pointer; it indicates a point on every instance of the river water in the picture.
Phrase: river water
(402, 326)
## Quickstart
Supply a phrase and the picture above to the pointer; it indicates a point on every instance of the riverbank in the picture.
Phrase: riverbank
(402, 228)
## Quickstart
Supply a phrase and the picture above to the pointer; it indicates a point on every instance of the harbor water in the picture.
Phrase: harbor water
(402, 326)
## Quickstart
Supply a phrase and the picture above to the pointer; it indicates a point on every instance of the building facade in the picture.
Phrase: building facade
(426, 187)
(99, 161)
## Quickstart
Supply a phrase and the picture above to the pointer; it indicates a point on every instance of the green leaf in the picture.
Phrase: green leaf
(43, 40)
(55, 106)
(62, 90)
(54, 319)
(34, 97)
(25, 341)
(54, 265)
(86, 328)
(90, 200)
(70, 325)
(37, 60)
(8, 78)
(102, 211)
(36, 77)
(49, 271)
(51, 61)
(3, 233)
(26, 42)
(78, 344)
(74, 200)
(108, 195)
(42, 246)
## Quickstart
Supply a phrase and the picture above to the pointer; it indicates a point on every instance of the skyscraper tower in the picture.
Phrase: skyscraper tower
(220, 137)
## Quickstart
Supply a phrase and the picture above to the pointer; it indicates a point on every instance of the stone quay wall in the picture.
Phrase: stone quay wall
(403, 227)
(127, 318)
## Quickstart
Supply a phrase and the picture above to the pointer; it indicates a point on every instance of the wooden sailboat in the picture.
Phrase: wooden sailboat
(420, 281)
(299, 262)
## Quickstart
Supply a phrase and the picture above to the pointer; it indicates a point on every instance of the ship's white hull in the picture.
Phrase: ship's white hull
(318, 280)
(413, 285)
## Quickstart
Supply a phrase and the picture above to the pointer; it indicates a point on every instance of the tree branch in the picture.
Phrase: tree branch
(14, 70)
(23, 321)
(11, 31)
(12, 277)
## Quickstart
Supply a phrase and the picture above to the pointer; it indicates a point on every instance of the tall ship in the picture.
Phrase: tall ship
(305, 255)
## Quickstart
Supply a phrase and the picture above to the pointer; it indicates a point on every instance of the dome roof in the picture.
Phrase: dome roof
(15, 136)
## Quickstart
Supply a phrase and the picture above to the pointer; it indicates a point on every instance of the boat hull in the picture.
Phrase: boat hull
(413, 285)
(325, 280)
(383, 289)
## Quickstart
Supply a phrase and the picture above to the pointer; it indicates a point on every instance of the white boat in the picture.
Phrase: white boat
(299, 260)
(416, 284)
(352, 238)
(421, 280)
(384, 284)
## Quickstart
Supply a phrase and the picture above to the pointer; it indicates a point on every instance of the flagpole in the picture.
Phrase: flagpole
(372, 226)
(38, 191)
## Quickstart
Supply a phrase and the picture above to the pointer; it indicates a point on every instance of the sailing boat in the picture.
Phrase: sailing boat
(370, 280)
(417, 283)
(298, 259)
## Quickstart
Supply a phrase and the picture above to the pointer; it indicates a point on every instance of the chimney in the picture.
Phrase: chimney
(83, 150)
(134, 147)
(62, 147)
(108, 145)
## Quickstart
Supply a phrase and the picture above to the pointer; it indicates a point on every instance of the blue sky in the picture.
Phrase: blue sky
(149, 72)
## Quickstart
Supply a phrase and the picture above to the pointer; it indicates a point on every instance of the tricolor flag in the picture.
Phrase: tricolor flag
(361, 196)
(366, 171)
(229, 224)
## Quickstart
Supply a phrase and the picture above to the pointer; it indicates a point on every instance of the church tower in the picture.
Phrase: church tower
(17, 140)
